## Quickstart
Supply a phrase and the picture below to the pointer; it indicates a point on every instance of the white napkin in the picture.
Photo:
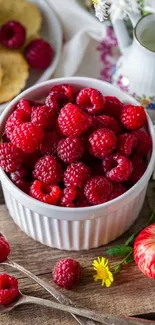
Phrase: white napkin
(82, 32)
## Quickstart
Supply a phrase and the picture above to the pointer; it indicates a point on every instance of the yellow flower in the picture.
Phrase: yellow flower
(95, 1)
(103, 272)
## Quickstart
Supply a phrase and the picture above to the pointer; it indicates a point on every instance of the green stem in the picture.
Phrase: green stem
(123, 260)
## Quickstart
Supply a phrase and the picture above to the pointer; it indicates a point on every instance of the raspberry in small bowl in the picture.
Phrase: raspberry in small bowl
(51, 188)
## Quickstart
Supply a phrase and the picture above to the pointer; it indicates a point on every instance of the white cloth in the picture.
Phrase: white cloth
(81, 33)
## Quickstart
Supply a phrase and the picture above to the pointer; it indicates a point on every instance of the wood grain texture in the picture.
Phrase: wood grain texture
(131, 293)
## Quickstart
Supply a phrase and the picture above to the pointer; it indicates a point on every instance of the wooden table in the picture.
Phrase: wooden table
(131, 293)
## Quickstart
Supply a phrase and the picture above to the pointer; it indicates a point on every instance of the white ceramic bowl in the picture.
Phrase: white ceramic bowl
(69, 228)
(52, 33)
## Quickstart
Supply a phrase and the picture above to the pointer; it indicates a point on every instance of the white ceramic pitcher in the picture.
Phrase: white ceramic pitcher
(135, 70)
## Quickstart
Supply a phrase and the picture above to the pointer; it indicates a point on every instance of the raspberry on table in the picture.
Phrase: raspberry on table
(70, 150)
(105, 121)
(65, 89)
(112, 107)
(44, 117)
(25, 105)
(8, 289)
(20, 179)
(56, 101)
(48, 170)
(102, 142)
(91, 100)
(45, 193)
(68, 196)
(67, 273)
(97, 190)
(4, 249)
(12, 35)
(122, 170)
(49, 143)
(139, 167)
(39, 54)
(76, 175)
(27, 137)
(73, 121)
(118, 189)
(126, 144)
(11, 158)
(133, 117)
(18, 117)
(144, 142)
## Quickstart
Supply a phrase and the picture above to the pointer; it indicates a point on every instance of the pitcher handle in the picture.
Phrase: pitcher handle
(121, 31)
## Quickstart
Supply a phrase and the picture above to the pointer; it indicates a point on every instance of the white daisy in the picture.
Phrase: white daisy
(120, 8)
(117, 8)
(101, 9)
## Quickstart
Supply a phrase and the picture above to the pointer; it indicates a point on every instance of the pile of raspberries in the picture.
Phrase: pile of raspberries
(77, 149)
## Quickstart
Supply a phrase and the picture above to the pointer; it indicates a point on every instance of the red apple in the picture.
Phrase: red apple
(144, 251)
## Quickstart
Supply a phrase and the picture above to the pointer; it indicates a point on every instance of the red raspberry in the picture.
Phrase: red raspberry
(102, 143)
(122, 171)
(91, 100)
(27, 137)
(118, 189)
(31, 159)
(133, 117)
(39, 54)
(144, 142)
(67, 273)
(108, 163)
(8, 289)
(97, 190)
(49, 143)
(11, 157)
(56, 101)
(109, 122)
(70, 149)
(139, 168)
(73, 121)
(44, 117)
(65, 89)
(76, 175)
(48, 170)
(17, 118)
(12, 35)
(113, 106)
(126, 143)
(4, 249)
(19, 178)
(25, 105)
(67, 197)
(45, 193)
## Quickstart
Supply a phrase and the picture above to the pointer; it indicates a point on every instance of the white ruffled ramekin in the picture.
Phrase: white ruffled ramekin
(69, 228)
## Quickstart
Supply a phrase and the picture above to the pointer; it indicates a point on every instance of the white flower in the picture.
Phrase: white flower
(120, 8)
(117, 8)
(101, 9)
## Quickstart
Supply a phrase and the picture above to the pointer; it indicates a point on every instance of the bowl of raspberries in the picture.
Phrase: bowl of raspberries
(76, 155)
